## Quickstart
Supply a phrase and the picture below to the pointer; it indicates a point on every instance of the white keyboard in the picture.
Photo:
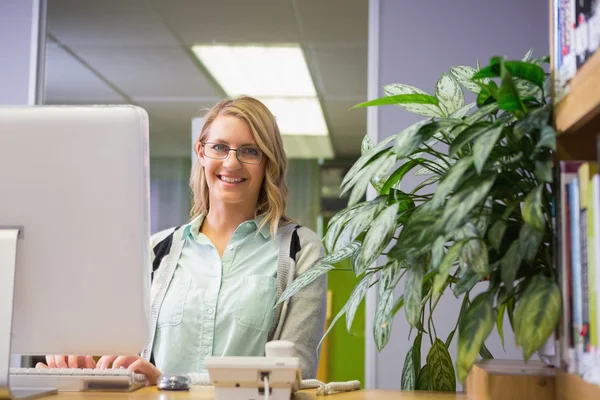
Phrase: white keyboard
(77, 379)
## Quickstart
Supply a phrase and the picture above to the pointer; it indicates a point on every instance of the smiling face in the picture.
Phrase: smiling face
(229, 181)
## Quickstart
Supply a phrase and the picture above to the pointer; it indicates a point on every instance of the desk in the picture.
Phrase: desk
(206, 393)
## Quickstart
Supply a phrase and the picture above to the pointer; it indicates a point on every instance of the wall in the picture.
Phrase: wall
(417, 41)
(169, 192)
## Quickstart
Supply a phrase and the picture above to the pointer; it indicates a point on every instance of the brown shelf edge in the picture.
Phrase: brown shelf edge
(579, 111)
(572, 387)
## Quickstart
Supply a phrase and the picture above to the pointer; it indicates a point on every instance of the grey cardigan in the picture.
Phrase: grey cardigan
(300, 319)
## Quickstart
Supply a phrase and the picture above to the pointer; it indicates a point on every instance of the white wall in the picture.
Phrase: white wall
(415, 42)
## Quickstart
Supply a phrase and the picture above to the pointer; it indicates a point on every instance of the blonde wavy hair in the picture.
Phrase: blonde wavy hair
(272, 198)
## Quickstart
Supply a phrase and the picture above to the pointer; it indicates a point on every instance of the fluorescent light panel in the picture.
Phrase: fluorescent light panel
(258, 71)
(277, 75)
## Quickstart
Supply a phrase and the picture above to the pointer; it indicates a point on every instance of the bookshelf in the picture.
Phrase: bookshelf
(577, 115)
(577, 123)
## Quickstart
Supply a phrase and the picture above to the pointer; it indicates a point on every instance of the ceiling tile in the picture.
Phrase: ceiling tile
(342, 69)
(113, 23)
(334, 20)
(149, 71)
(69, 82)
(233, 21)
(348, 127)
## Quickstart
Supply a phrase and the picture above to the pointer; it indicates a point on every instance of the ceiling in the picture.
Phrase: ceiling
(138, 52)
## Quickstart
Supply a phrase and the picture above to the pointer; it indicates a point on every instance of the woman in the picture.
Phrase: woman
(216, 279)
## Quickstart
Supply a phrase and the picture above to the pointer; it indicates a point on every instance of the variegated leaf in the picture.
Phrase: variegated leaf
(481, 112)
(390, 275)
(462, 202)
(474, 256)
(510, 265)
(337, 223)
(366, 145)
(367, 172)
(537, 314)
(360, 222)
(341, 254)
(437, 251)
(379, 235)
(461, 112)
(423, 380)
(427, 110)
(468, 135)
(547, 138)
(305, 279)
(529, 242)
(429, 181)
(413, 292)
(359, 188)
(382, 324)
(408, 372)
(445, 266)
(526, 88)
(483, 145)
(527, 55)
(500, 316)
(332, 324)
(357, 296)
(464, 75)
(448, 183)
(381, 172)
(366, 158)
(466, 283)
(423, 171)
(408, 140)
(532, 209)
(449, 93)
(543, 168)
(441, 370)
(475, 327)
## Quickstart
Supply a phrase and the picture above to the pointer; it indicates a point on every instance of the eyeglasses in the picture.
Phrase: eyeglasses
(244, 154)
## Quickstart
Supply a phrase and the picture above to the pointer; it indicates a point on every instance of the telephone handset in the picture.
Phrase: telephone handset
(272, 377)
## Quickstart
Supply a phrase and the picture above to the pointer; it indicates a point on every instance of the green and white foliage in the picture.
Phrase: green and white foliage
(486, 220)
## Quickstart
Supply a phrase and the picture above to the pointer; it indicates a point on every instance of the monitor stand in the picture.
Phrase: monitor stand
(8, 262)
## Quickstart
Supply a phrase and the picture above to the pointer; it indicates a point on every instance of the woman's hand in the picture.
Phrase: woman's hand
(133, 363)
(68, 362)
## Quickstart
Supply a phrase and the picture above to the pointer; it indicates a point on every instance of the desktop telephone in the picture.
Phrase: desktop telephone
(273, 377)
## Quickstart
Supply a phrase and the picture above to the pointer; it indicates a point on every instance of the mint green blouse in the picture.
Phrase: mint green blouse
(218, 306)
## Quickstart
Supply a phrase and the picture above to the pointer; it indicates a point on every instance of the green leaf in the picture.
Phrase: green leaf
(543, 168)
(481, 112)
(412, 292)
(366, 145)
(527, 71)
(449, 181)
(382, 324)
(423, 380)
(532, 209)
(357, 296)
(475, 327)
(341, 254)
(468, 135)
(463, 309)
(446, 265)
(408, 372)
(467, 281)
(500, 316)
(416, 353)
(464, 76)
(508, 97)
(399, 173)
(359, 222)
(496, 234)
(463, 201)
(399, 304)
(510, 265)
(441, 369)
(378, 236)
(437, 252)
(529, 242)
(427, 110)
(483, 145)
(537, 119)
(449, 93)
(537, 314)
(305, 279)
(400, 99)
(419, 232)
(485, 353)
(547, 138)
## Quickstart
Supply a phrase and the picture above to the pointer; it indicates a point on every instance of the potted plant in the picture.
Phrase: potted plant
(488, 217)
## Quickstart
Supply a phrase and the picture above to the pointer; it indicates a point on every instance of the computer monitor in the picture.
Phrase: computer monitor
(75, 181)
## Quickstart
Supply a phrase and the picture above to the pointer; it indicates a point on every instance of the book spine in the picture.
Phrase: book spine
(576, 273)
